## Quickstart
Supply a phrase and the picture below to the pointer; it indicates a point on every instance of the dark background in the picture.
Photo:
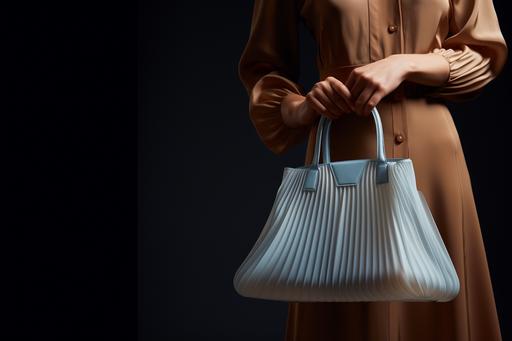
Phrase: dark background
(143, 185)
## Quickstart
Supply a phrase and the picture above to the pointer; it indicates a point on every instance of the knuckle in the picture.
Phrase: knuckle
(380, 86)
(367, 78)
(339, 89)
(333, 81)
(357, 71)
(322, 85)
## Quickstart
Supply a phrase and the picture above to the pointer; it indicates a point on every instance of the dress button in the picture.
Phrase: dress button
(392, 28)
(399, 138)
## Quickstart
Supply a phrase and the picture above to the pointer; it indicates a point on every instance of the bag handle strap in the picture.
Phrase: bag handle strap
(323, 134)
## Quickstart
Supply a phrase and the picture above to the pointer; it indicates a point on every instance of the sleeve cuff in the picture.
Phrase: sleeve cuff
(265, 112)
(469, 72)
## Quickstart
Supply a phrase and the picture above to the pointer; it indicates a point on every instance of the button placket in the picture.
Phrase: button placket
(386, 38)
(393, 29)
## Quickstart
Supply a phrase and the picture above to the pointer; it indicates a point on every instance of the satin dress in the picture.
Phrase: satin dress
(417, 125)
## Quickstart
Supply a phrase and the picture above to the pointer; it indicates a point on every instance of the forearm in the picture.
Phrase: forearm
(428, 68)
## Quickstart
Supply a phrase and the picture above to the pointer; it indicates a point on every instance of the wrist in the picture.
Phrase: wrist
(409, 66)
(290, 109)
(428, 69)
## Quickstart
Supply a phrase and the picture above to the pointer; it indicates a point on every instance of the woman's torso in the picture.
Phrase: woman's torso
(351, 32)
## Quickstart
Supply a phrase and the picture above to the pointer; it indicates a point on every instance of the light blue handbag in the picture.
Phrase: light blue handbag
(356, 230)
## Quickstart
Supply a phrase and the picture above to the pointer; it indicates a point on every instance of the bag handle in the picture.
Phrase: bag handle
(338, 170)
(323, 134)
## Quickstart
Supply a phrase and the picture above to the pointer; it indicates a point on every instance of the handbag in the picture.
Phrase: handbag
(354, 230)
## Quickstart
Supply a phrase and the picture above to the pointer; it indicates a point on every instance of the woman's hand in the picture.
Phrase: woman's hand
(365, 87)
(329, 97)
(369, 83)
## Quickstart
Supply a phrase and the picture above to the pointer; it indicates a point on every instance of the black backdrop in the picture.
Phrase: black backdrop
(137, 208)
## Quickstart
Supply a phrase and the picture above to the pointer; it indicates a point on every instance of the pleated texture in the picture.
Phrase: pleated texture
(364, 242)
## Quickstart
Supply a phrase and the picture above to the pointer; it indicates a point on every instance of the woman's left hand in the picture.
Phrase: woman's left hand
(369, 83)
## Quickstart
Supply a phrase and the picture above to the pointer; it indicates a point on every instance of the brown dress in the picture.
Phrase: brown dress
(417, 125)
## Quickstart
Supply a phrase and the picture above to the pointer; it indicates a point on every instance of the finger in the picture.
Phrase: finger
(343, 95)
(337, 101)
(375, 99)
(358, 86)
(349, 82)
(317, 106)
(321, 94)
(363, 98)
(353, 78)
(340, 94)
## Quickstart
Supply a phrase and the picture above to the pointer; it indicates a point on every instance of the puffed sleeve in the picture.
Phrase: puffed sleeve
(475, 50)
(269, 70)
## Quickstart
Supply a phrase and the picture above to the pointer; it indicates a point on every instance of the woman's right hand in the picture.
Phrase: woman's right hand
(329, 97)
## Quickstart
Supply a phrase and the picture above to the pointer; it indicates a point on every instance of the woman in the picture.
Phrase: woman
(407, 58)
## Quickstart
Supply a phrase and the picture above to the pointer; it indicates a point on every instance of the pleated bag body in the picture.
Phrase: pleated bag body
(356, 230)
